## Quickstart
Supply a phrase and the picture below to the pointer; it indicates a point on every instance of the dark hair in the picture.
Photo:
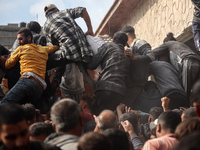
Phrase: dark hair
(94, 141)
(34, 26)
(195, 93)
(26, 32)
(89, 126)
(129, 30)
(189, 112)
(41, 128)
(155, 112)
(89, 99)
(178, 111)
(170, 37)
(11, 114)
(118, 138)
(120, 38)
(190, 142)
(169, 120)
(132, 119)
(29, 111)
(187, 126)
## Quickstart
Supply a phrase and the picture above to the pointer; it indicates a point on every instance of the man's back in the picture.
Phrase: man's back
(167, 78)
(61, 28)
(166, 142)
(32, 58)
(180, 49)
(63, 140)
(115, 66)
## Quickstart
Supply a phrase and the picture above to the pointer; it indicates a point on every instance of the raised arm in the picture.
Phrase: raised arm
(87, 20)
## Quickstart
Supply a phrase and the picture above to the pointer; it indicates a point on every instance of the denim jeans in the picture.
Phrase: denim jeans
(196, 34)
(26, 90)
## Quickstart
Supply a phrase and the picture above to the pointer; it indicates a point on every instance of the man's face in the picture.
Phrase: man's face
(22, 40)
(15, 136)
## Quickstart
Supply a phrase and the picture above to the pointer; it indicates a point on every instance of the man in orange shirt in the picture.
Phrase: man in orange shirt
(32, 59)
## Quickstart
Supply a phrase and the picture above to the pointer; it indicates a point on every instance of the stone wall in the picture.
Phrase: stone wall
(8, 34)
(153, 19)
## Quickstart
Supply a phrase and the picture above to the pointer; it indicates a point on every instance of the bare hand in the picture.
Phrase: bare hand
(128, 127)
(165, 103)
(120, 107)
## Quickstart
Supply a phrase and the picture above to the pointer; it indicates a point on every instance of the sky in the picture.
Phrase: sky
(16, 11)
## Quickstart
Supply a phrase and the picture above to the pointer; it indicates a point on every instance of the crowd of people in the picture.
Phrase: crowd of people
(129, 110)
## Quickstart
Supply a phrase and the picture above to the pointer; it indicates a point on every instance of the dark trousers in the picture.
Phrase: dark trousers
(178, 100)
(131, 95)
(13, 75)
(196, 34)
(106, 100)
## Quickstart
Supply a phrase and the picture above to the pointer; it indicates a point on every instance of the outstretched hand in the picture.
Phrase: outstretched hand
(165, 103)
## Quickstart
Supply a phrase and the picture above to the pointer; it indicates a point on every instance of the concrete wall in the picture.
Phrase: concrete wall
(153, 19)
(8, 34)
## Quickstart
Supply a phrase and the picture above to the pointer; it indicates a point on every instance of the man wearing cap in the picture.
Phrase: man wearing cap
(61, 29)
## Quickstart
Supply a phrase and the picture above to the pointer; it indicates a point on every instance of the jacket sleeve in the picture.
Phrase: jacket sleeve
(97, 59)
(161, 50)
(51, 49)
(75, 12)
